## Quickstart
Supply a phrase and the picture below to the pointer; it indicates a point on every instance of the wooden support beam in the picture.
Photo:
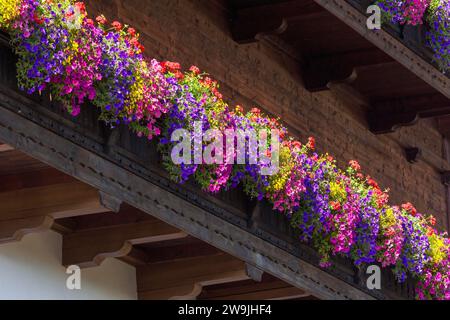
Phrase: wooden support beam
(386, 116)
(88, 248)
(270, 288)
(268, 18)
(185, 278)
(5, 147)
(357, 20)
(318, 72)
(34, 209)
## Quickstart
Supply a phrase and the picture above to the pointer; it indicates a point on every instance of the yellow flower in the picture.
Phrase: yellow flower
(278, 181)
(387, 219)
(136, 94)
(9, 9)
(437, 248)
(337, 191)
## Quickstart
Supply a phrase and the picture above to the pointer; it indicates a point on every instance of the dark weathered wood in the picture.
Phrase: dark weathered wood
(389, 44)
(267, 18)
(88, 248)
(185, 278)
(320, 71)
(385, 116)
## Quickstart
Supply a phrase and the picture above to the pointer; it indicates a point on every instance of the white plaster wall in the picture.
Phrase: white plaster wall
(31, 269)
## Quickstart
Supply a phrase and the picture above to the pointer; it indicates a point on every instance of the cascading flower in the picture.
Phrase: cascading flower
(391, 238)
(404, 11)
(338, 212)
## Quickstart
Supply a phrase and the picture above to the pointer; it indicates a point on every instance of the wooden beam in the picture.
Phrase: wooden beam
(386, 116)
(357, 20)
(5, 147)
(185, 278)
(88, 248)
(318, 72)
(61, 148)
(286, 293)
(268, 18)
(34, 209)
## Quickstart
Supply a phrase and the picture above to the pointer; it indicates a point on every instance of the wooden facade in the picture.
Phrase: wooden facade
(105, 191)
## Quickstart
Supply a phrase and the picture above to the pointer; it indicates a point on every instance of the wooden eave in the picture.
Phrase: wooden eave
(391, 69)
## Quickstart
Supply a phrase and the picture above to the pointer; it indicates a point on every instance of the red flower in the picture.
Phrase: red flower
(297, 145)
(217, 93)
(81, 7)
(90, 22)
(38, 20)
(194, 69)
(335, 205)
(409, 208)
(432, 220)
(101, 19)
(372, 183)
(330, 158)
(355, 165)
(132, 32)
(311, 143)
(173, 67)
(179, 75)
(117, 25)
(256, 111)
(208, 81)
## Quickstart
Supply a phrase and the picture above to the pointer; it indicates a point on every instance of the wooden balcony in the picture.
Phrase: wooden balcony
(127, 169)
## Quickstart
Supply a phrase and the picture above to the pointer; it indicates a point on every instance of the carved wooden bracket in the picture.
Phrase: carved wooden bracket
(270, 17)
(245, 30)
(386, 116)
(413, 155)
(319, 72)
(43, 205)
(110, 202)
(446, 178)
(89, 248)
(253, 272)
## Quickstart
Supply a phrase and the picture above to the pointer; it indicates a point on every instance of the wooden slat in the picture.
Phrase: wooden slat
(88, 248)
(185, 278)
(386, 42)
(33, 209)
